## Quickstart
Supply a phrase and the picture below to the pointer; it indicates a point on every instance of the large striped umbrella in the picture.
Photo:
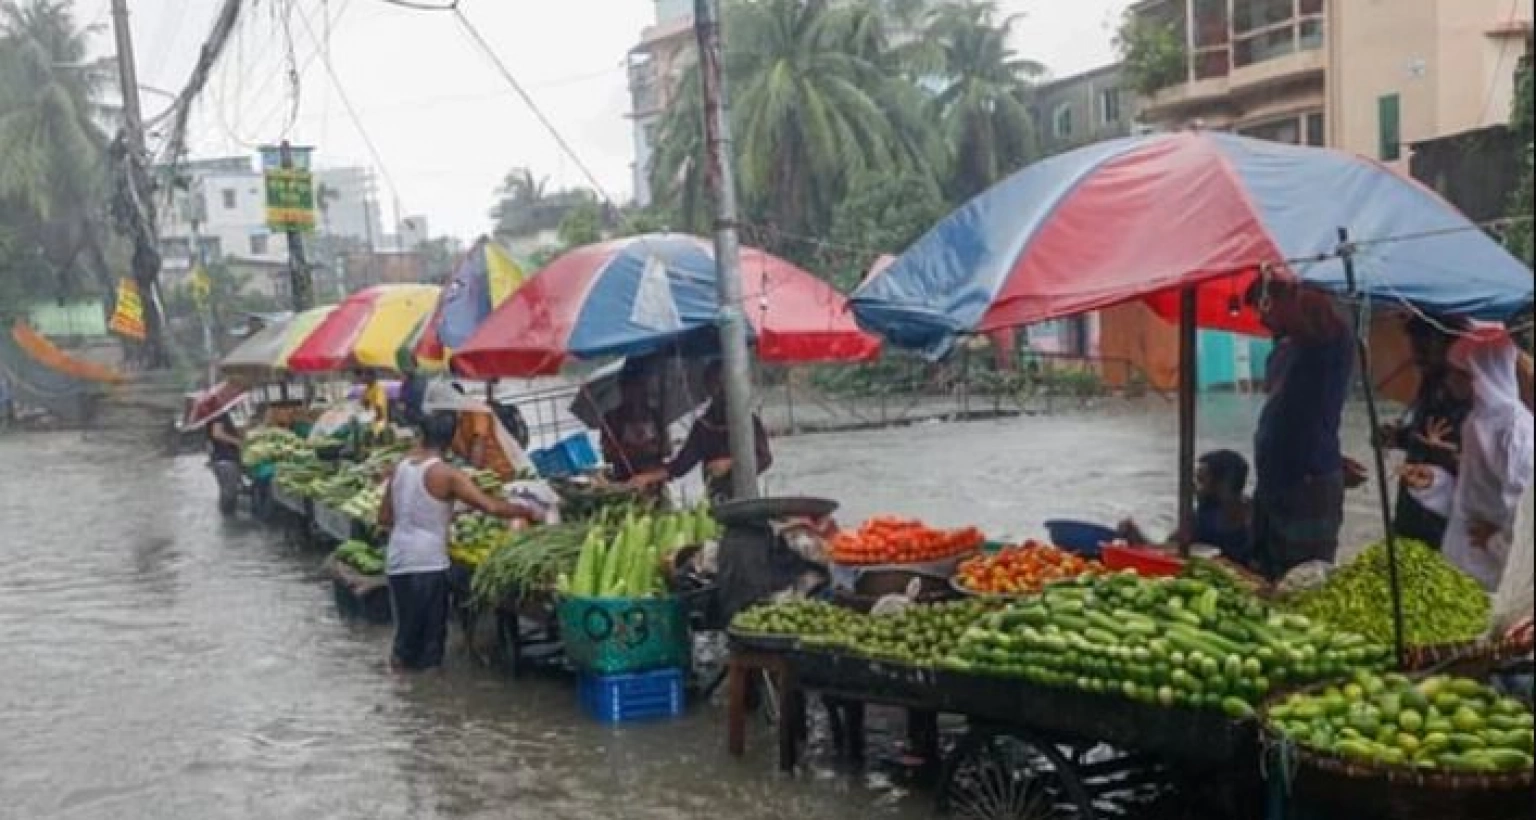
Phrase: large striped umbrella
(1144, 217)
(484, 278)
(264, 355)
(365, 330)
(642, 294)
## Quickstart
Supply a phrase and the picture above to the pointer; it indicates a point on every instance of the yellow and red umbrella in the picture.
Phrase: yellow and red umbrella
(366, 330)
(264, 356)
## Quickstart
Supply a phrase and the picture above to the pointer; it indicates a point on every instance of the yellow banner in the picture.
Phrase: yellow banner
(128, 315)
(202, 285)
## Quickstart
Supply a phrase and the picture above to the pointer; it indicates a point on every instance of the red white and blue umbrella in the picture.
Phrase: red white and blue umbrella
(1143, 217)
(644, 294)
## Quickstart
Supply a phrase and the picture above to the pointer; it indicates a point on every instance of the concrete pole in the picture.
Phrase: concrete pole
(300, 287)
(733, 327)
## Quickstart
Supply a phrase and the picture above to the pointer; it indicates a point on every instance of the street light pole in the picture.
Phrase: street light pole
(733, 328)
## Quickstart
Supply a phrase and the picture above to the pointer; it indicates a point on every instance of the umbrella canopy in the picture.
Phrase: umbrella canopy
(366, 329)
(642, 294)
(1147, 216)
(484, 279)
(212, 403)
(679, 384)
(264, 355)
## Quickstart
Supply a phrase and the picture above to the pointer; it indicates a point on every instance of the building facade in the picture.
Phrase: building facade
(1083, 108)
(656, 65)
(1368, 76)
(348, 205)
(219, 207)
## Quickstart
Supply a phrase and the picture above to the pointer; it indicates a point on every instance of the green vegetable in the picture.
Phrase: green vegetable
(530, 559)
(1440, 603)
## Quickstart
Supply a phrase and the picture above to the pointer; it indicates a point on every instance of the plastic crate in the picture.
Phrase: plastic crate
(638, 696)
(569, 456)
(609, 636)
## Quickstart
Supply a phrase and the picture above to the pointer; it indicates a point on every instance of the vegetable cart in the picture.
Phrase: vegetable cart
(1028, 751)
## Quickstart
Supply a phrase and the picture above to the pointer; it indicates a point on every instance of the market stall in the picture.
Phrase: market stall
(1196, 218)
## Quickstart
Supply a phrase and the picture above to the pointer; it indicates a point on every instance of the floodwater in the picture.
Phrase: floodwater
(159, 662)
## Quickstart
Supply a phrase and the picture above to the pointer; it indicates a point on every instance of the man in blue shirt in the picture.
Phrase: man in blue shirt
(1301, 471)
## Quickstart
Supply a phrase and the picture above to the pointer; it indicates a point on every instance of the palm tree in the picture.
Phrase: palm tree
(52, 150)
(812, 107)
(983, 103)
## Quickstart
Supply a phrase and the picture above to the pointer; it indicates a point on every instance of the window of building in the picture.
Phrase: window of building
(259, 244)
(1311, 35)
(1061, 122)
(1389, 127)
(228, 195)
(1316, 134)
(1109, 106)
(1252, 15)
(1264, 46)
(1286, 130)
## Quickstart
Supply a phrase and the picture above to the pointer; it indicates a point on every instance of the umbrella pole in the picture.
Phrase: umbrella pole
(1384, 495)
(1188, 378)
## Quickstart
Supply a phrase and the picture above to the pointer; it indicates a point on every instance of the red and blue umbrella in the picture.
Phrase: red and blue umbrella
(484, 278)
(1143, 217)
(643, 294)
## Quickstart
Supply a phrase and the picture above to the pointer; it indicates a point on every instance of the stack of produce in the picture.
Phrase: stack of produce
(889, 540)
(301, 474)
(1439, 723)
(268, 444)
(364, 504)
(473, 536)
(530, 559)
(1171, 641)
(623, 560)
(585, 501)
(361, 556)
(918, 635)
(1441, 604)
(487, 480)
(1022, 569)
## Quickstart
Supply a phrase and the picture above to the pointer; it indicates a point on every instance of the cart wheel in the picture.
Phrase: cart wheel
(1009, 776)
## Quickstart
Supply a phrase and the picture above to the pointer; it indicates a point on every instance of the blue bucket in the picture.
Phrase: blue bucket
(1081, 537)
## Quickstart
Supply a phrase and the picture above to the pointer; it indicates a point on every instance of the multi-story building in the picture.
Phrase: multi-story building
(1368, 76)
(218, 206)
(656, 65)
(1083, 108)
(347, 203)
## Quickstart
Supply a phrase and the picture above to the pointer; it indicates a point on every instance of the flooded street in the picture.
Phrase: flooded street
(159, 662)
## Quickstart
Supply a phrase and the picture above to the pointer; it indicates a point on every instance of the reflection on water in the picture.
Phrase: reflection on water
(161, 662)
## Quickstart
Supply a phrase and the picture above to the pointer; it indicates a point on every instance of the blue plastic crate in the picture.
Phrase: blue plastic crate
(639, 696)
(1082, 537)
(567, 457)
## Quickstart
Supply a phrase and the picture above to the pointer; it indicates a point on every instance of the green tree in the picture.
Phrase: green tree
(1151, 52)
(882, 214)
(53, 174)
(1518, 236)
(983, 106)
(581, 225)
(813, 106)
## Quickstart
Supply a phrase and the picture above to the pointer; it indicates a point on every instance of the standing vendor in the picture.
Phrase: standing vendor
(375, 399)
(417, 509)
(709, 444)
(224, 443)
(480, 438)
(1301, 470)
(634, 434)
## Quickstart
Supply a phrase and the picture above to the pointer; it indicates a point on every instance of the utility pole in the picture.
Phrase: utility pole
(146, 254)
(299, 283)
(733, 327)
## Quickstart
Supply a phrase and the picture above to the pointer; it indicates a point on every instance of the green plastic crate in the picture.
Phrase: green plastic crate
(614, 635)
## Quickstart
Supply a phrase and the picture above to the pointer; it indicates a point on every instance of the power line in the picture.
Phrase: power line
(565, 146)
(346, 102)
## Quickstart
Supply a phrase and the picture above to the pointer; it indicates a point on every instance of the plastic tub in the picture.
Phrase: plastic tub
(1148, 563)
(1082, 537)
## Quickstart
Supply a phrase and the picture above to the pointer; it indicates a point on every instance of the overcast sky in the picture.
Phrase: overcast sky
(445, 125)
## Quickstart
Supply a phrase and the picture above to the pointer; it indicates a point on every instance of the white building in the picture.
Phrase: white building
(656, 66)
(348, 206)
(413, 231)
(222, 203)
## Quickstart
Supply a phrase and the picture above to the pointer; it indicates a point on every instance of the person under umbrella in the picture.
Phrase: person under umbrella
(709, 444)
(1436, 413)
(634, 434)
(1496, 454)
